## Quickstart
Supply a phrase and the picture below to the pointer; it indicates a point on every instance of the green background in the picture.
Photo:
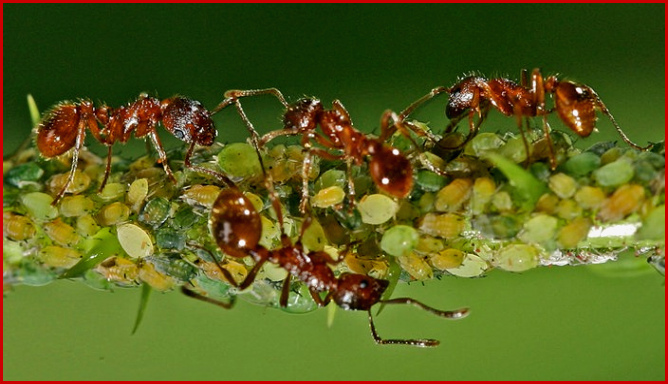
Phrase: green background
(600, 322)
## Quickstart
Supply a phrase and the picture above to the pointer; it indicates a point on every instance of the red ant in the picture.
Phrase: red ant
(236, 226)
(390, 170)
(576, 104)
(64, 127)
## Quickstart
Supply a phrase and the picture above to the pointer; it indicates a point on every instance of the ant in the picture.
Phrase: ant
(236, 227)
(64, 128)
(576, 105)
(390, 170)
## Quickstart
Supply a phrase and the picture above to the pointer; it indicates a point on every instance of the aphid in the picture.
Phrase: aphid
(338, 139)
(119, 270)
(17, 227)
(575, 104)
(61, 233)
(236, 227)
(64, 128)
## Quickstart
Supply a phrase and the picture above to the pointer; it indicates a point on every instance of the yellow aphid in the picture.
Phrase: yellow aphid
(80, 183)
(113, 213)
(203, 195)
(134, 240)
(451, 197)
(624, 201)
(75, 206)
(568, 209)
(87, 226)
(112, 191)
(562, 185)
(61, 233)
(447, 259)
(547, 203)
(416, 266)
(236, 269)
(314, 238)
(483, 190)
(376, 209)
(590, 197)
(58, 257)
(376, 268)
(328, 197)
(572, 233)
(447, 226)
(429, 244)
(256, 200)
(119, 270)
(157, 280)
(17, 227)
(502, 201)
(137, 193)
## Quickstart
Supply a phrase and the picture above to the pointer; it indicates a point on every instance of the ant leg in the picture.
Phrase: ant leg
(78, 144)
(285, 292)
(412, 107)
(274, 134)
(232, 95)
(628, 141)
(456, 314)
(413, 342)
(107, 171)
(538, 89)
(162, 156)
(190, 293)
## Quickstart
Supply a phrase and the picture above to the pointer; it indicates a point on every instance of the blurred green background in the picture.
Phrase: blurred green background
(600, 322)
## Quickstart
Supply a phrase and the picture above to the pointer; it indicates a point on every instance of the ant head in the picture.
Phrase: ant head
(358, 292)
(461, 96)
(188, 120)
(302, 115)
(234, 223)
(390, 170)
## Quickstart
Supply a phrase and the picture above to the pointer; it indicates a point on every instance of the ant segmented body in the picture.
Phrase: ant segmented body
(64, 128)
(236, 226)
(575, 104)
(390, 170)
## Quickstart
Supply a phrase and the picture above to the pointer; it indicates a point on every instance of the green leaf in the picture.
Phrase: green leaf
(143, 303)
(99, 247)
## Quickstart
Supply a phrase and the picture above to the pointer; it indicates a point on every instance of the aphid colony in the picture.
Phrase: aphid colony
(238, 227)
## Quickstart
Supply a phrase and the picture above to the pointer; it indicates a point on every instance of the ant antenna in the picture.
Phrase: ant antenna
(454, 314)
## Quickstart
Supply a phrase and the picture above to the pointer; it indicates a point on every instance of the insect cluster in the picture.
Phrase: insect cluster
(282, 225)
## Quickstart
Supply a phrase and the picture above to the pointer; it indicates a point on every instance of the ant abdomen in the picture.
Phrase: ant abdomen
(391, 171)
(57, 132)
(576, 106)
(235, 224)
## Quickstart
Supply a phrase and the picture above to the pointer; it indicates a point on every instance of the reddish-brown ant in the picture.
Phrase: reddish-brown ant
(390, 170)
(64, 128)
(576, 104)
(236, 227)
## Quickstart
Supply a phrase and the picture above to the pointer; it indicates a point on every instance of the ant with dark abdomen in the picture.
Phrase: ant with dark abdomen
(64, 128)
(576, 104)
(390, 170)
(236, 226)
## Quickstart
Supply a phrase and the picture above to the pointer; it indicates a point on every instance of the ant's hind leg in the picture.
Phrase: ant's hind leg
(190, 293)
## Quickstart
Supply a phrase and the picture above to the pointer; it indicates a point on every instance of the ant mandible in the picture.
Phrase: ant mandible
(236, 227)
(390, 170)
(64, 128)
(576, 104)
